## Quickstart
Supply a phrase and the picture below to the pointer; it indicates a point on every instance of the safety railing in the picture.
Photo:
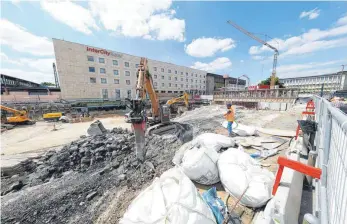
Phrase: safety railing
(331, 145)
(257, 94)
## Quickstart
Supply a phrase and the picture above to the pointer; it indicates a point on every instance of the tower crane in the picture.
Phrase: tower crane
(273, 76)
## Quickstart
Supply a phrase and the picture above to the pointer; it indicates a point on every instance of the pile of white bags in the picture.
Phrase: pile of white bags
(213, 141)
(242, 130)
(200, 165)
(240, 173)
(172, 198)
(198, 158)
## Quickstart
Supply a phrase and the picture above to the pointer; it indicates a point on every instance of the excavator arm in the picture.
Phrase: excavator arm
(14, 111)
(184, 98)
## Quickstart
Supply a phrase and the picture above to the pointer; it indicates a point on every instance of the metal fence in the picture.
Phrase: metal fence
(331, 144)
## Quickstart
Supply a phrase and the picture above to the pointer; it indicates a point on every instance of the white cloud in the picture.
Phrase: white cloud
(137, 18)
(312, 14)
(310, 41)
(33, 76)
(206, 47)
(342, 20)
(71, 14)
(19, 39)
(218, 64)
(31, 69)
(242, 61)
(309, 69)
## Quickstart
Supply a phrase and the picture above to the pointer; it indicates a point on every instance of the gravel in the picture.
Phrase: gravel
(80, 182)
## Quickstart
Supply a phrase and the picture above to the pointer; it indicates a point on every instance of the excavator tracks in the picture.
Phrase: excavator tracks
(184, 132)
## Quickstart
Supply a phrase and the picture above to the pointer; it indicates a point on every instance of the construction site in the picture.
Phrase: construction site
(120, 138)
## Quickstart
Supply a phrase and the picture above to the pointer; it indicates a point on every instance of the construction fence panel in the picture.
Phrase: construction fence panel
(331, 145)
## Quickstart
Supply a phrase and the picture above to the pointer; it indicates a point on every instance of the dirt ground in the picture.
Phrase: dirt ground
(68, 193)
(24, 142)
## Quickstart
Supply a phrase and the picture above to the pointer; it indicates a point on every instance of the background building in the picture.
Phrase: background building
(19, 90)
(215, 82)
(90, 72)
(312, 84)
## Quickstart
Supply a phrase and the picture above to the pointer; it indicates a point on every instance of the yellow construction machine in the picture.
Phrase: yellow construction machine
(52, 116)
(19, 116)
(157, 120)
(175, 106)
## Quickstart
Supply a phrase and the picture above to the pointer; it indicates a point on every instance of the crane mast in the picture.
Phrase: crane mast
(273, 76)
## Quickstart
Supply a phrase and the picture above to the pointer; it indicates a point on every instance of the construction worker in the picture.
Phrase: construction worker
(230, 117)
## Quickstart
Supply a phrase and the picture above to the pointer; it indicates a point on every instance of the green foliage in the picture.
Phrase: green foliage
(47, 84)
(268, 82)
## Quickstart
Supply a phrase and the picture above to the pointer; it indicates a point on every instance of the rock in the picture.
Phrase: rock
(96, 128)
(14, 176)
(149, 164)
(114, 153)
(100, 149)
(83, 136)
(91, 195)
(122, 177)
(85, 160)
(115, 164)
(17, 186)
(82, 203)
(74, 148)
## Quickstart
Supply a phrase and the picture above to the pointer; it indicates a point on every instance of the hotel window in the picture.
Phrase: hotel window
(115, 62)
(191, 80)
(126, 64)
(104, 94)
(175, 85)
(169, 84)
(115, 72)
(186, 73)
(129, 93)
(175, 72)
(181, 73)
(91, 69)
(102, 70)
(90, 58)
(182, 85)
(127, 73)
(155, 68)
(117, 94)
(101, 60)
(103, 80)
(181, 79)
(186, 80)
(169, 77)
(92, 80)
(136, 65)
(169, 70)
(162, 77)
(175, 78)
(127, 82)
(155, 76)
(162, 70)
(155, 84)
(116, 81)
(162, 84)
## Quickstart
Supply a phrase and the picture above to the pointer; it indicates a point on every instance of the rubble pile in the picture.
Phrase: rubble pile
(79, 180)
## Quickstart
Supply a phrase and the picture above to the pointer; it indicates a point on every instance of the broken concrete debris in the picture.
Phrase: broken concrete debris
(84, 169)
(96, 128)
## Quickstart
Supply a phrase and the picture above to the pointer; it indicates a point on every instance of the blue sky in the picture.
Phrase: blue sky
(311, 36)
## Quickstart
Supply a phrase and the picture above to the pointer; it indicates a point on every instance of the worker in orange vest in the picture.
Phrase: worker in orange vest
(230, 117)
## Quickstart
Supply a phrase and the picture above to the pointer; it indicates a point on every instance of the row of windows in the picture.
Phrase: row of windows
(114, 62)
(176, 72)
(177, 85)
(176, 79)
(116, 81)
(104, 81)
(127, 65)
(103, 71)
(104, 93)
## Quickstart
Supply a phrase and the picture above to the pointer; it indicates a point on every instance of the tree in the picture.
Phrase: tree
(268, 81)
(47, 84)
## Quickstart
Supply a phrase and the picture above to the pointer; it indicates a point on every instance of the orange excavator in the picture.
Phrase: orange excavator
(157, 119)
(19, 116)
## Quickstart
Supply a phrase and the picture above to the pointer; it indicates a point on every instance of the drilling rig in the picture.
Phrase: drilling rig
(273, 75)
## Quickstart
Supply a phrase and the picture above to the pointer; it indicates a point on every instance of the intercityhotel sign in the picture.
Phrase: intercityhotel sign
(104, 52)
